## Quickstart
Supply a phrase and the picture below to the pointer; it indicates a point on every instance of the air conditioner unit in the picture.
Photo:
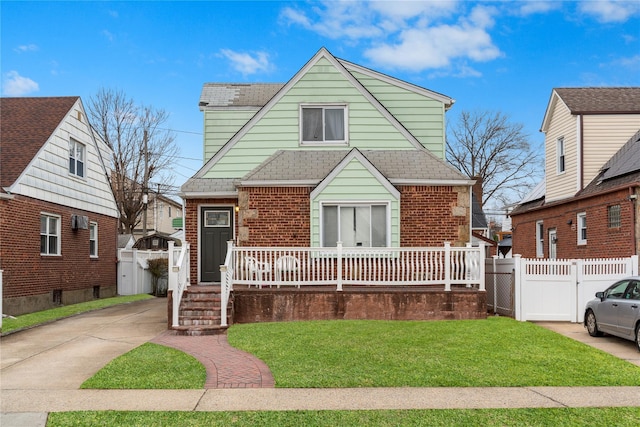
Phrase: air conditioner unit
(79, 222)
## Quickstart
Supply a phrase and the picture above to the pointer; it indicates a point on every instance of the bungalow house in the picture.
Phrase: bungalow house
(339, 153)
(58, 216)
(587, 205)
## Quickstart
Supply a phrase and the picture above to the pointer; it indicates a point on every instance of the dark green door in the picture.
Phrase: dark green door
(216, 228)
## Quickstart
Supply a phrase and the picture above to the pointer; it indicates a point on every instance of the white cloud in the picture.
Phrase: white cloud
(26, 48)
(537, 6)
(437, 46)
(245, 63)
(611, 10)
(16, 85)
(108, 35)
(412, 35)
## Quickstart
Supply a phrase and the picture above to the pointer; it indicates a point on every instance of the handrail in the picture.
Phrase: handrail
(178, 277)
(226, 285)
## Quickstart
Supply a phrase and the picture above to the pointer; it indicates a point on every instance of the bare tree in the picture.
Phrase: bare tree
(142, 150)
(484, 144)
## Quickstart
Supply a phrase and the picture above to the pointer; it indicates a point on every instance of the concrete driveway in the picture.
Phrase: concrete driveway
(618, 347)
(63, 354)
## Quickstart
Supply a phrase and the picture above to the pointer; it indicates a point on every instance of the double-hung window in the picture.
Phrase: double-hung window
(93, 240)
(582, 228)
(49, 234)
(355, 225)
(76, 158)
(560, 155)
(325, 124)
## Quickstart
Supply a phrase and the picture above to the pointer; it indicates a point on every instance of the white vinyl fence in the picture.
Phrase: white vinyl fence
(133, 274)
(552, 289)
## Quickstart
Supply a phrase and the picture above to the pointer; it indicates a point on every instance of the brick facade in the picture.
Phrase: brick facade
(602, 241)
(280, 216)
(29, 278)
(432, 215)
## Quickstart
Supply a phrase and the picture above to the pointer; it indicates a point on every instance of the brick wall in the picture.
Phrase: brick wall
(431, 215)
(29, 278)
(602, 241)
(274, 216)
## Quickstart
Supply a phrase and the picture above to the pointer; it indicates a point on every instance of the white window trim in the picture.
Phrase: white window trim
(540, 239)
(561, 155)
(344, 203)
(581, 219)
(344, 141)
(93, 224)
(75, 142)
(58, 233)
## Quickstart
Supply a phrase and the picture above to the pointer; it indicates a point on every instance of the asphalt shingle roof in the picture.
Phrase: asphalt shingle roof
(304, 165)
(25, 126)
(237, 94)
(592, 100)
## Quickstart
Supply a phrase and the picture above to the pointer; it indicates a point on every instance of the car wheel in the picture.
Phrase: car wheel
(638, 336)
(592, 325)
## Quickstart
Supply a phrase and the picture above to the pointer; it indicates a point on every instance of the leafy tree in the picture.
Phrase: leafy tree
(142, 150)
(484, 144)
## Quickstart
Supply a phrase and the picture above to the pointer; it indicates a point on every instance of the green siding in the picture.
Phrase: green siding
(278, 128)
(422, 116)
(220, 126)
(355, 183)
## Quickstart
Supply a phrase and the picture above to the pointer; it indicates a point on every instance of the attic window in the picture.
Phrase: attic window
(76, 158)
(323, 124)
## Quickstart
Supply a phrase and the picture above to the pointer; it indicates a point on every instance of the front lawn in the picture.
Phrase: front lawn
(620, 417)
(150, 366)
(496, 352)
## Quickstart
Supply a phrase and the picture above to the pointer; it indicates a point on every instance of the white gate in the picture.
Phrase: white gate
(133, 274)
(552, 289)
(558, 290)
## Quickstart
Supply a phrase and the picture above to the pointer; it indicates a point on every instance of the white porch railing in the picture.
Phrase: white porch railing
(339, 266)
(178, 275)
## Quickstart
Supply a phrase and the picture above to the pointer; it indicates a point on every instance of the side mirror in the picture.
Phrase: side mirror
(600, 295)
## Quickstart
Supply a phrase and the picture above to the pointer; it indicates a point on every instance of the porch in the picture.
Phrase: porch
(283, 284)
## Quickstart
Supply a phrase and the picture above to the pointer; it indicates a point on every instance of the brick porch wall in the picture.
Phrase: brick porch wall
(284, 304)
(602, 241)
(29, 278)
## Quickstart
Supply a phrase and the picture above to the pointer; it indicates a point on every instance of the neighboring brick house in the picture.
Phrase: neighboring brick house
(338, 153)
(58, 216)
(587, 205)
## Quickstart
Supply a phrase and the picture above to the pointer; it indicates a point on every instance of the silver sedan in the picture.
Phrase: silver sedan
(616, 311)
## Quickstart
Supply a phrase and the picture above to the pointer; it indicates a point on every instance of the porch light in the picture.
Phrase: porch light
(237, 208)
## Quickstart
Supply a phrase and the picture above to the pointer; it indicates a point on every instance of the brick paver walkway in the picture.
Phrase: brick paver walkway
(227, 367)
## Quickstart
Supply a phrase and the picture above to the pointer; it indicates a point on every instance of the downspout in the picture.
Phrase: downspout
(633, 197)
(580, 152)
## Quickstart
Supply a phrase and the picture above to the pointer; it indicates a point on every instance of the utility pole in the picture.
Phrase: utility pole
(145, 190)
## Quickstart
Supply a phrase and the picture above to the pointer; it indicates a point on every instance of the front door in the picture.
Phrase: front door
(216, 228)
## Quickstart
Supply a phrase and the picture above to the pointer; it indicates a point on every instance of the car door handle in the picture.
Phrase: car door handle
(634, 306)
(614, 304)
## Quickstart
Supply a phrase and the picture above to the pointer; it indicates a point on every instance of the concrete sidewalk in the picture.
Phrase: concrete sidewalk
(42, 369)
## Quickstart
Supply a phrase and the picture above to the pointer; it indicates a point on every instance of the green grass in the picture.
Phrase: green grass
(150, 366)
(620, 417)
(40, 317)
(497, 352)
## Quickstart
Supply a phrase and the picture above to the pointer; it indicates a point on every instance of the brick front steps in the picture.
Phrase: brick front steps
(200, 311)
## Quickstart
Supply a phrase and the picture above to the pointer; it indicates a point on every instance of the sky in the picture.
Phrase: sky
(502, 56)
